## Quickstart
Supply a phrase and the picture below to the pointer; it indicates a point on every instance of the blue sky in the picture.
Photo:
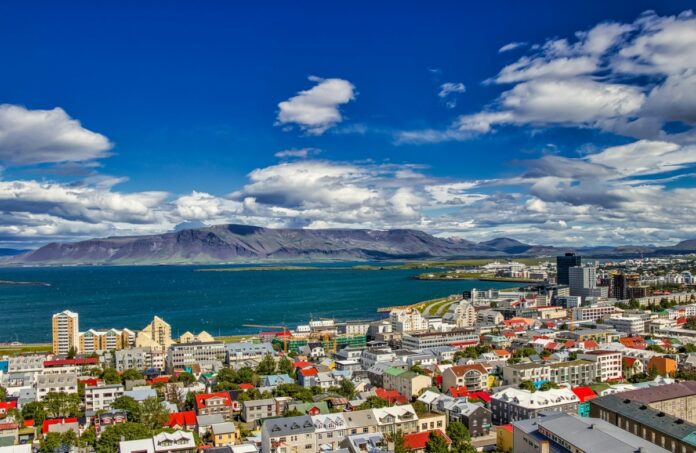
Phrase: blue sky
(536, 121)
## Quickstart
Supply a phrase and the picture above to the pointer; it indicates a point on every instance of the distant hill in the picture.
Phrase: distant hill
(229, 243)
(11, 252)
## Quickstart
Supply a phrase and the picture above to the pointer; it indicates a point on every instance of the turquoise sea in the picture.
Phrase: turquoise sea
(218, 302)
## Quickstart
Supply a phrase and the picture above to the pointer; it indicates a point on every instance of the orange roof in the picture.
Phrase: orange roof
(507, 427)
(417, 441)
(246, 386)
(459, 370)
(590, 344)
(501, 352)
(391, 396)
(159, 380)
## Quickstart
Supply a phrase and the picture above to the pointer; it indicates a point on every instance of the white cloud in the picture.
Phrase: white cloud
(46, 136)
(317, 109)
(449, 88)
(301, 153)
(511, 46)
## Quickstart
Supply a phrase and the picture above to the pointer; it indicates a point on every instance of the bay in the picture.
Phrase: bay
(218, 302)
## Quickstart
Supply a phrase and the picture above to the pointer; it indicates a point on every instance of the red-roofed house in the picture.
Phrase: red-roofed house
(589, 345)
(458, 392)
(159, 380)
(246, 386)
(59, 425)
(632, 366)
(92, 382)
(215, 403)
(390, 396)
(301, 364)
(306, 377)
(182, 420)
(79, 362)
(415, 442)
(6, 406)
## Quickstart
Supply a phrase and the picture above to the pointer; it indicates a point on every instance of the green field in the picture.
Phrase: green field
(25, 348)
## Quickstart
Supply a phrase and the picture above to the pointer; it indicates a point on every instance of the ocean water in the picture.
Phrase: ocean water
(218, 302)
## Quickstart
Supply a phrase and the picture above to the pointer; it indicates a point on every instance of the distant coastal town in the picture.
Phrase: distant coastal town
(584, 344)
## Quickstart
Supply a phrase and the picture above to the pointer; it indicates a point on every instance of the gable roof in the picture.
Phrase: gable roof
(417, 441)
(461, 370)
(187, 418)
(202, 398)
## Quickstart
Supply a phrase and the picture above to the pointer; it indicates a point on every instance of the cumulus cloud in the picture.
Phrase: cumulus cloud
(317, 109)
(46, 136)
(630, 79)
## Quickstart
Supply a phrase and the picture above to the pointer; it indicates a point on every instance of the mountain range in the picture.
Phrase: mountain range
(230, 243)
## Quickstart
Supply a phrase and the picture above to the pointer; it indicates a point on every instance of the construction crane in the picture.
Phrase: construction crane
(284, 328)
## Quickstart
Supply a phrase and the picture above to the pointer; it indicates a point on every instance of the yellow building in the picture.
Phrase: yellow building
(203, 337)
(224, 434)
(504, 441)
(105, 340)
(66, 328)
(157, 334)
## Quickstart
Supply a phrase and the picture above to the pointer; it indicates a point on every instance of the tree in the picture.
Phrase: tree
(186, 378)
(548, 386)
(3, 393)
(111, 376)
(267, 365)
(226, 375)
(373, 402)
(50, 442)
(399, 443)
(690, 323)
(285, 366)
(175, 395)
(34, 411)
(112, 435)
(72, 352)
(59, 404)
(347, 389)
(88, 438)
(245, 375)
(459, 434)
(527, 385)
(128, 404)
(16, 416)
(420, 407)
(132, 375)
(436, 444)
(153, 414)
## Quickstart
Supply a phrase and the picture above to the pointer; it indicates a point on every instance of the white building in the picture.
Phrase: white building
(101, 397)
(461, 314)
(608, 364)
(632, 325)
(47, 383)
(408, 320)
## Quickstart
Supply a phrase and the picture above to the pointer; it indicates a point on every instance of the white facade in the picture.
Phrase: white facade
(409, 320)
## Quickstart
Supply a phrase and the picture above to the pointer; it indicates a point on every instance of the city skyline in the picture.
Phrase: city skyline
(477, 121)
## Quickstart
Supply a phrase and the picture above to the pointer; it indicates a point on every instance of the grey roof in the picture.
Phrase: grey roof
(208, 420)
(593, 434)
(223, 428)
(250, 347)
(288, 426)
(636, 410)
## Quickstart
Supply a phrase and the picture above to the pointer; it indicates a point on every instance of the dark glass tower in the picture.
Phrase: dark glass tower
(563, 263)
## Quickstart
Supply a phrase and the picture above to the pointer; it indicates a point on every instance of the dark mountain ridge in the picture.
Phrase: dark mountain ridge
(230, 243)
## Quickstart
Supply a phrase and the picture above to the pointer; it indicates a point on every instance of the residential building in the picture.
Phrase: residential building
(329, 430)
(105, 340)
(461, 314)
(224, 434)
(369, 357)
(47, 383)
(513, 404)
(237, 352)
(664, 430)
(593, 312)
(202, 337)
(100, 397)
(186, 355)
(459, 338)
(663, 366)
(407, 383)
(288, 435)
(476, 417)
(474, 377)
(632, 325)
(66, 328)
(176, 442)
(140, 359)
(563, 432)
(677, 399)
(490, 317)
(608, 364)
(215, 403)
(157, 334)
(408, 320)
(253, 410)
